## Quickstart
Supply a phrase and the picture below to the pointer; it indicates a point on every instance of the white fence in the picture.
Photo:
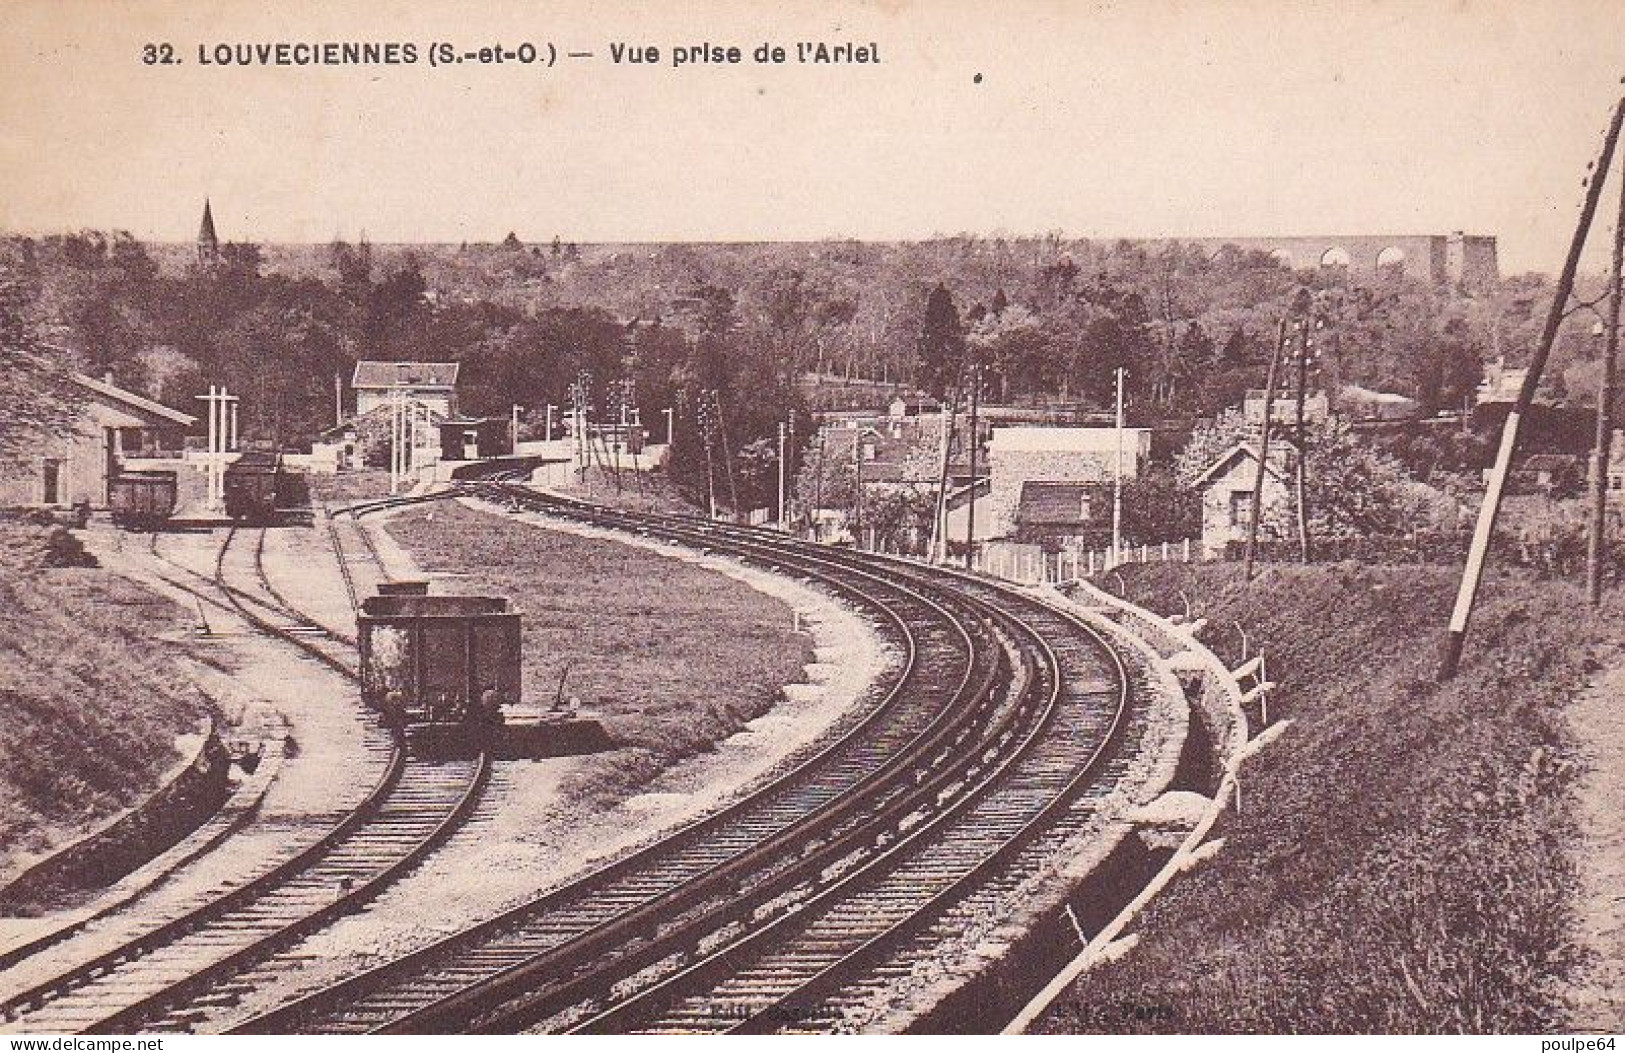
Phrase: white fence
(1031, 565)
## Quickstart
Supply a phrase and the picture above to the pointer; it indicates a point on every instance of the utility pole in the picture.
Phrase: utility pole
(727, 451)
(670, 419)
(547, 431)
(791, 452)
(975, 442)
(857, 488)
(1473, 572)
(1117, 478)
(513, 430)
(707, 434)
(1596, 542)
(1304, 350)
(1263, 450)
(782, 444)
(939, 522)
(338, 398)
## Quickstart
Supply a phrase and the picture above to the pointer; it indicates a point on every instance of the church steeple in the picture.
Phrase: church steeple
(208, 245)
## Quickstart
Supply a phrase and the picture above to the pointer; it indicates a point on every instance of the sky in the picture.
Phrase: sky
(1156, 118)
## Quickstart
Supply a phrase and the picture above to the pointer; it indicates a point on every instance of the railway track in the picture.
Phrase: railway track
(922, 826)
(809, 972)
(332, 864)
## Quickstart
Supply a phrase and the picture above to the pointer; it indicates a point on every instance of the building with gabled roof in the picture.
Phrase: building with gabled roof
(1227, 486)
(78, 464)
(429, 384)
(1020, 455)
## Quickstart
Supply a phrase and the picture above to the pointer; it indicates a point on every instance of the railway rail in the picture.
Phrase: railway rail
(923, 826)
(205, 938)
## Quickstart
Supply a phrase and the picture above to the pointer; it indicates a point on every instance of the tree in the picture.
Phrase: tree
(1156, 508)
(36, 384)
(1012, 344)
(940, 350)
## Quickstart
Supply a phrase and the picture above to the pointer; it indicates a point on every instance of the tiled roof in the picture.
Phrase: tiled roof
(1062, 503)
(132, 400)
(405, 374)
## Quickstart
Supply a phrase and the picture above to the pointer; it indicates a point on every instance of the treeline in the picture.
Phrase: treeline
(1046, 319)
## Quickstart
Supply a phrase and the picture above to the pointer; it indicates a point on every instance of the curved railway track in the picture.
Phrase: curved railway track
(347, 859)
(921, 830)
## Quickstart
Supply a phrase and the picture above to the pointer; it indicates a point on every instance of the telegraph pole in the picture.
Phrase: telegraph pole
(1117, 478)
(1605, 420)
(1303, 439)
(1263, 449)
(975, 441)
(782, 443)
(939, 522)
(857, 488)
(1473, 572)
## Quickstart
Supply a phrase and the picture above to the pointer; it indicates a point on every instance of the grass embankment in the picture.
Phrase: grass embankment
(636, 492)
(671, 656)
(1397, 864)
(90, 704)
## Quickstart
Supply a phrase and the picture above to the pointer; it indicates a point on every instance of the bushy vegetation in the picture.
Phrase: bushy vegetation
(1048, 320)
(672, 657)
(1396, 864)
(92, 703)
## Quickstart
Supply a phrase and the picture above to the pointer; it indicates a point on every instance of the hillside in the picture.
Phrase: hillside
(1398, 863)
(92, 703)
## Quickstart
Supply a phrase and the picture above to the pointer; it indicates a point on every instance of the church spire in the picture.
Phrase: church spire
(208, 245)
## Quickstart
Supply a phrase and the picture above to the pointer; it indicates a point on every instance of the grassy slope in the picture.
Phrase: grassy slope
(89, 704)
(671, 656)
(1397, 863)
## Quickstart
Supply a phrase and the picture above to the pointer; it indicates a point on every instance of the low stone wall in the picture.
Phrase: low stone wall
(1217, 699)
(103, 857)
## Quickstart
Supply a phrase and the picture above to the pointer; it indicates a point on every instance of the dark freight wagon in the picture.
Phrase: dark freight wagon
(142, 499)
(439, 659)
(475, 439)
(251, 483)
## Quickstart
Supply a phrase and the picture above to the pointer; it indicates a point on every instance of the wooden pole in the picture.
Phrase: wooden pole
(1117, 479)
(938, 550)
(1473, 572)
(975, 442)
(1263, 451)
(1303, 441)
(1596, 542)
(782, 444)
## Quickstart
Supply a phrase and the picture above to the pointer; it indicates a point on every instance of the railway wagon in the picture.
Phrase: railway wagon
(439, 659)
(251, 486)
(141, 500)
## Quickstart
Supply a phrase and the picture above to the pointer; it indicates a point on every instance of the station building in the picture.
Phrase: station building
(77, 465)
(432, 385)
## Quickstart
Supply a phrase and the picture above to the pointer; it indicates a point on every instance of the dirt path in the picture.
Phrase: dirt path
(1597, 1000)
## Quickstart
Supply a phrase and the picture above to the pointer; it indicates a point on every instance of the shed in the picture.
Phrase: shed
(1051, 510)
(1227, 496)
(77, 464)
(471, 439)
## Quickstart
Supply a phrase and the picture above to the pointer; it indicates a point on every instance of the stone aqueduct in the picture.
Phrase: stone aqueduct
(1467, 260)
